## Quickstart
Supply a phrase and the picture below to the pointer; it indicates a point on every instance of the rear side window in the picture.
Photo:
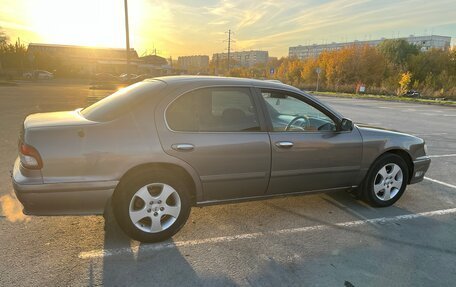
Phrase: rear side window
(213, 110)
(122, 101)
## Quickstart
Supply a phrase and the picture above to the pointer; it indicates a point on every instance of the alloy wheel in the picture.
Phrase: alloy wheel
(388, 181)
(154, 207)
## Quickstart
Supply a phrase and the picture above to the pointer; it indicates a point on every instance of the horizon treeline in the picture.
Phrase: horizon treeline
(391, 68)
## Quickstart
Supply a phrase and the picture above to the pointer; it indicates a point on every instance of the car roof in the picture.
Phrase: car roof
(192, 82)
(215, 80)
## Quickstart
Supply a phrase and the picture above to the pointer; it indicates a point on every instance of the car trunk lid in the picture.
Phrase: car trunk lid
(55, 119)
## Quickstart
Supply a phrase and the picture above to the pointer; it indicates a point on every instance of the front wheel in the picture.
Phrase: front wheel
(151, 206)
(386, 180)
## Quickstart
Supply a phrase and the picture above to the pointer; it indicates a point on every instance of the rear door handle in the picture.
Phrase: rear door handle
(183, 147)
(284, 144)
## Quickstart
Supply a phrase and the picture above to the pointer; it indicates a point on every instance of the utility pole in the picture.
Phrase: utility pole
(127, 35)
(216, 67)
(229, 49)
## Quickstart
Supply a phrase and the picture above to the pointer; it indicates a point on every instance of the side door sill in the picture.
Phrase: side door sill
(268, 196)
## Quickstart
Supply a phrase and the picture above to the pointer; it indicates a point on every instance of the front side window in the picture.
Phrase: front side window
(213, 110)
(289, 113)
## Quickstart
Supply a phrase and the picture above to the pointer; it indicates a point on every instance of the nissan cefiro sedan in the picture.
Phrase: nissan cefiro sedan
(156, 148)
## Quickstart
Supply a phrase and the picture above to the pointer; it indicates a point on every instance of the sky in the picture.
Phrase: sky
(178, 27)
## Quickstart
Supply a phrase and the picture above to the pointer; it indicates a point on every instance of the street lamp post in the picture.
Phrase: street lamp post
(127, 35)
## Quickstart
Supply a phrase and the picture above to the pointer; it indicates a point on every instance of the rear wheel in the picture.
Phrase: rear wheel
(386, 180)
(151, 206)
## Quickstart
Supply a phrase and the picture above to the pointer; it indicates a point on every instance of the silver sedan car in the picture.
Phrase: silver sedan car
(156, 148)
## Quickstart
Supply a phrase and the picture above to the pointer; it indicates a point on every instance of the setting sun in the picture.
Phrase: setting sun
(90, 23)
(179, 28)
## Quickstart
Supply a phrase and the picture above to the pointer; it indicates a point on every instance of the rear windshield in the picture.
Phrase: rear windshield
(122, 101)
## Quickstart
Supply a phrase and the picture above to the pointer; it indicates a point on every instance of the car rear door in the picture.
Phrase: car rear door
(310, 154)
(217, 131)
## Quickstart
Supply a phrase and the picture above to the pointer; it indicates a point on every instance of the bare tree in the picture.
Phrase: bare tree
(3, 36)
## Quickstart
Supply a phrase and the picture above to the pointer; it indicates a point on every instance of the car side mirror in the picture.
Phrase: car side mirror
(346, 125)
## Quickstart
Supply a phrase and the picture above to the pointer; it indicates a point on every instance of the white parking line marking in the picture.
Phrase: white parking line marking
(372, 124)
(430, 134)
(443, 155)
(168, 245)
(440, 182)
(404, 108)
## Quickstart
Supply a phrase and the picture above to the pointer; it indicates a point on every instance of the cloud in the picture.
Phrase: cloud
(178, 27)
(221, 22)
(15, 26)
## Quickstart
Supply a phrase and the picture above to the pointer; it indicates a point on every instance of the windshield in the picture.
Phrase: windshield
(121, 102)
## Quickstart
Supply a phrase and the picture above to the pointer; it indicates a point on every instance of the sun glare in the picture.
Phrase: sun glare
(83, 22)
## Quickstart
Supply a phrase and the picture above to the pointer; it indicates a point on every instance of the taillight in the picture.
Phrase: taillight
(30, 157)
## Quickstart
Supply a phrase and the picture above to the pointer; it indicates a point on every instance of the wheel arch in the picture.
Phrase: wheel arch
(173, 168)
(404, 155)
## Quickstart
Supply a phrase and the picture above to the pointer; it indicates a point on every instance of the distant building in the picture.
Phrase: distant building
(424, 42)
(244, 58)
(154, 65)
(197, 63)
(153, 60)
(84, 60)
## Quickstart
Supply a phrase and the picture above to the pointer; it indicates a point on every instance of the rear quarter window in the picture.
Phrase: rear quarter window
(122, 102)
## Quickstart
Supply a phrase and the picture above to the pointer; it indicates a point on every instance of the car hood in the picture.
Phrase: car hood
(379, 140)
(55, 119)
(369, 131)
(368, 126)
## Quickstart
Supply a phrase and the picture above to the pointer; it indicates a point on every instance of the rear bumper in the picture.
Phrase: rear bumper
(420, 166)
(75, 198)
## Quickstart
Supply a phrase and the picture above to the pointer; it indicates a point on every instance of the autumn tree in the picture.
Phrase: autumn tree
(398, 52)
(309, 72)
(434, 70)
(349, 66)
(219, 66)
(404, 83)
(290, 71)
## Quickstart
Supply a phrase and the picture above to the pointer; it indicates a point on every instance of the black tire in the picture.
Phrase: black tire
(126, 191)
(368, 184)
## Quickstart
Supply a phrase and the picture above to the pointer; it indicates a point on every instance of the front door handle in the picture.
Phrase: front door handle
(183, 147)
(284, 144)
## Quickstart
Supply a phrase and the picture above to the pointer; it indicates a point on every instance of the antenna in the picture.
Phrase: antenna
(154, 51)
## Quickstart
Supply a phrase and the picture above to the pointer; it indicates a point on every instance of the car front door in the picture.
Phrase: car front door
(217, 131)
(308, 151)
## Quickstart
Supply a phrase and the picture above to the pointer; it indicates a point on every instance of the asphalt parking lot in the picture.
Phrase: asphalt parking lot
(328, 239)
